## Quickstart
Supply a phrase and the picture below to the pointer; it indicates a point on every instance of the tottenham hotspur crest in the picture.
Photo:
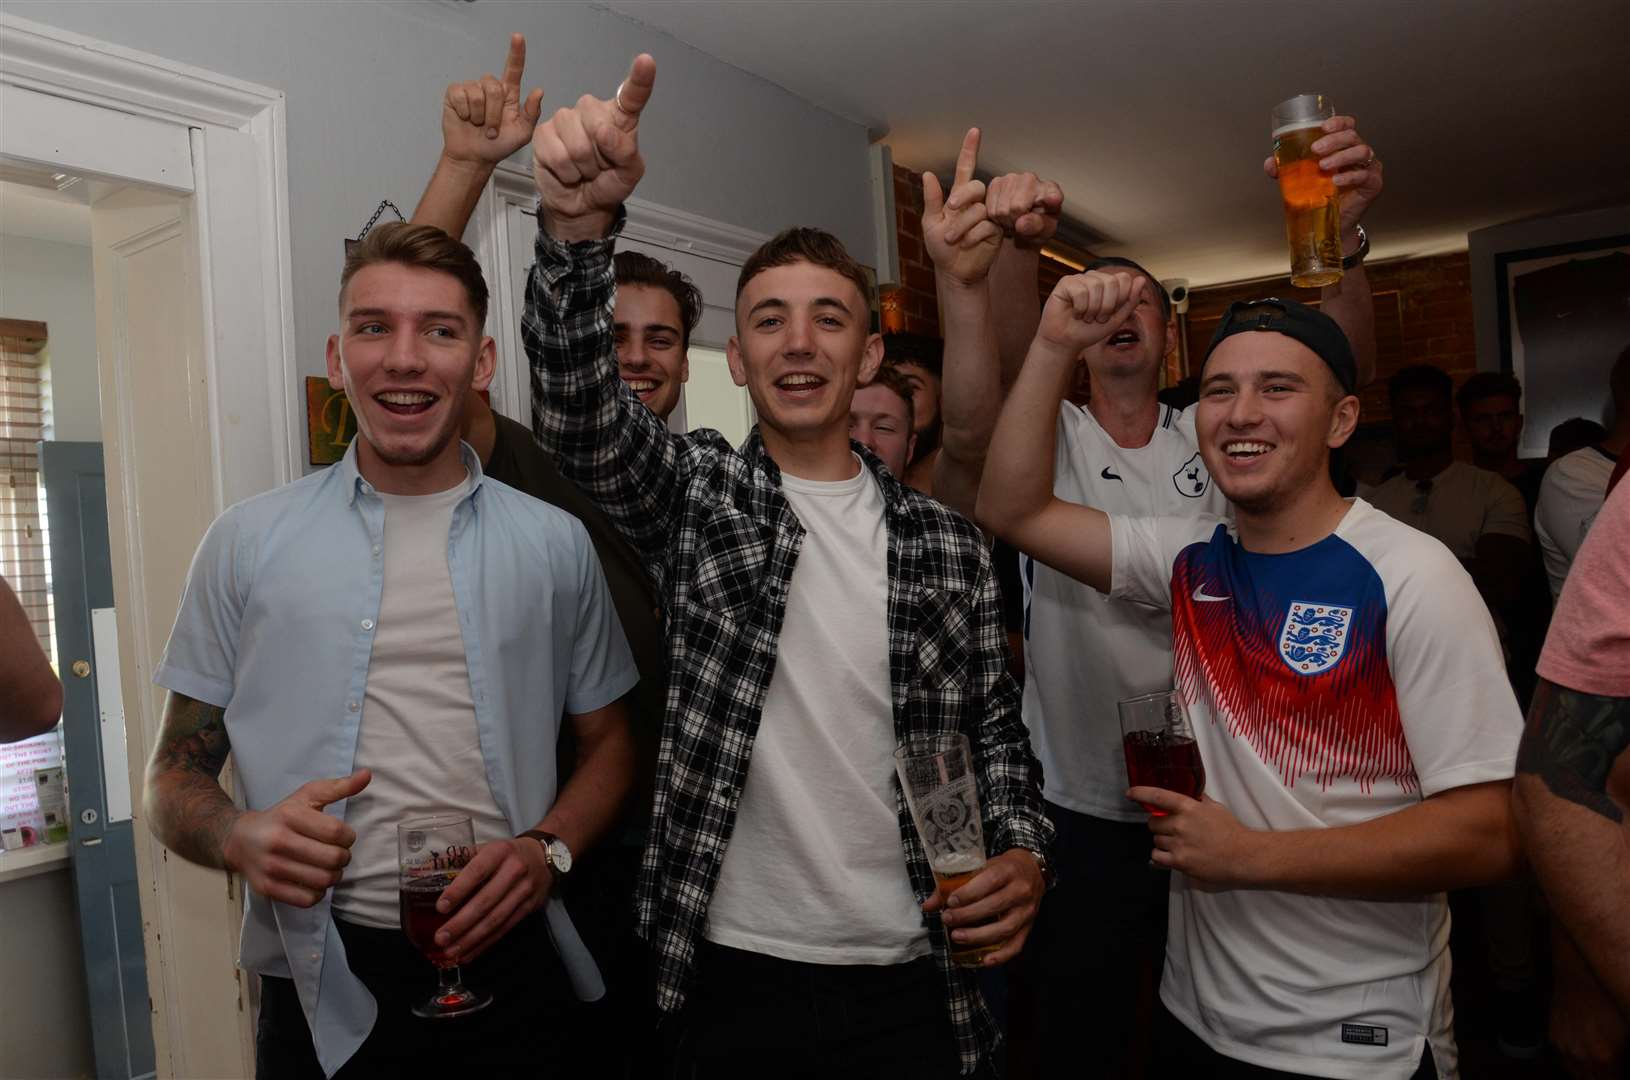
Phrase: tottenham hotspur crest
(1315, 636)
(1191, 478)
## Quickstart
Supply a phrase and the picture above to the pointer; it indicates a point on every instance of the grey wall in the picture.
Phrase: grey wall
(45, 1025)
(364, 83)
(51, 282)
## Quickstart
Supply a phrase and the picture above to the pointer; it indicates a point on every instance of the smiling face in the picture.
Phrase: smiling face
(408, 354)
(1269, 413)
(880, 420)
(1137, 345)
(802, 345)
(650, 338)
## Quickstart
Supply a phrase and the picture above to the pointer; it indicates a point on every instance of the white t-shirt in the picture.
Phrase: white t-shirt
(814, 871)
(1458, 506)
(1083, 650)
(1569, 498)
(1328, 686)
(417, 731)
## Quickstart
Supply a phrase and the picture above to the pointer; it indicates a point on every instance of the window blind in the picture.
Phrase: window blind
(23, 551)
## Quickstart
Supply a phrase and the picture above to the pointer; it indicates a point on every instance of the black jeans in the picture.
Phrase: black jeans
(524, 1032)
(1098, 939)
(751, 1016)
(1183, 1055)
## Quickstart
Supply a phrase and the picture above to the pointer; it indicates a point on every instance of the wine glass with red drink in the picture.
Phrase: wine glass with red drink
(431, 851)
(1160, 747)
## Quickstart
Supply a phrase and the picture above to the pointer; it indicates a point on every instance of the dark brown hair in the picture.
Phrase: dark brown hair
(811, 246)
(636, 268)
(890, 379)
(423, 246)
(1488, 384)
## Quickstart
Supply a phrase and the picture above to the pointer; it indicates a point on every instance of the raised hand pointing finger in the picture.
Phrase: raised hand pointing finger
(632, 94)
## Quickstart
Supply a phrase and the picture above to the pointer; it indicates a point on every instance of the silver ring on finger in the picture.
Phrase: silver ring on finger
(618, 98)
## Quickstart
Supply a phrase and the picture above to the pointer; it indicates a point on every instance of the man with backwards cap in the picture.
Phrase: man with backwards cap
(1347, 693)
(1124, 452)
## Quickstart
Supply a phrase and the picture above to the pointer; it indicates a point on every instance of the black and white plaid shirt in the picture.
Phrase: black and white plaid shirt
(720, 541)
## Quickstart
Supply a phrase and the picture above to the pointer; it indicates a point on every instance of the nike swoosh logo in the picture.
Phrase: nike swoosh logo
(1200, 594)
(1107, 475)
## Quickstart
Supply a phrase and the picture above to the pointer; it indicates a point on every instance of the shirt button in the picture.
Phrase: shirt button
(316, 957)
(367, 624)
(376, 549)
(351, 705)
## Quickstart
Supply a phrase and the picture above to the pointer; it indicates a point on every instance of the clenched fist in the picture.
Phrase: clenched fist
(1084, 309)
(586, 159)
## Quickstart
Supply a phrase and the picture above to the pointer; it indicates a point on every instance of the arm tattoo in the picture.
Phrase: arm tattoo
(190, 812)
(1571, 743)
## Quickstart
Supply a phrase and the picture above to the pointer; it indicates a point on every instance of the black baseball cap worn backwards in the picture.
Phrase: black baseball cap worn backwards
(1310, 326)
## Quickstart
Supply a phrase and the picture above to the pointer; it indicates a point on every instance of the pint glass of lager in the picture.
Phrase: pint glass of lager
(937, 776)
(1312, 206)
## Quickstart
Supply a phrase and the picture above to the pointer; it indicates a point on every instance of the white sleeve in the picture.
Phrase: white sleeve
(1460, 717)
(1143, 549)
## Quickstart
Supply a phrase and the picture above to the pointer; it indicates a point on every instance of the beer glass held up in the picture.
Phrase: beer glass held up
(1312, 204)
(430, 852)
(937, 775)
(1160, 747)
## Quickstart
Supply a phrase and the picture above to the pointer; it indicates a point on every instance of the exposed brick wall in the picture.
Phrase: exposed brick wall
(919, 302)
(1423, 315)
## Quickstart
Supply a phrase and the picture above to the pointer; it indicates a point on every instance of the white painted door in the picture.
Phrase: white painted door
(161, 489)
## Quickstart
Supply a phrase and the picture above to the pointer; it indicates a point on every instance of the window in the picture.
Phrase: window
(24, 558)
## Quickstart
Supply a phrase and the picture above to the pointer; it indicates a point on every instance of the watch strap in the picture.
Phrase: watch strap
(546, 839)
(1350, 261)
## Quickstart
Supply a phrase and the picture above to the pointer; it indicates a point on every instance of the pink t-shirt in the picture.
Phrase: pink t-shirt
(1588, 648)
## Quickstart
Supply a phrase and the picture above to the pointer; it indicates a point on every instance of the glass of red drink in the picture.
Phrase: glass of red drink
(1160, 747)
(430, 852)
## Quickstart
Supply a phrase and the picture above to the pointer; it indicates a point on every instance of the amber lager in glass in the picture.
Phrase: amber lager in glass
(937, 776)
(1312, 205)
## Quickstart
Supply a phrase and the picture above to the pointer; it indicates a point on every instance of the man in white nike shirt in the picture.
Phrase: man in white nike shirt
(1129, 454)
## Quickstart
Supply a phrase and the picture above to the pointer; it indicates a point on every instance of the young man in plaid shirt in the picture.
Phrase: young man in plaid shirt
(818, 614)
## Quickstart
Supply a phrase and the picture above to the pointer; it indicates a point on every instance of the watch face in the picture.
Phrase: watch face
(561, 856)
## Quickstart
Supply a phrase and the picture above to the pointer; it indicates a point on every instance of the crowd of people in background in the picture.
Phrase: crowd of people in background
(666, 675)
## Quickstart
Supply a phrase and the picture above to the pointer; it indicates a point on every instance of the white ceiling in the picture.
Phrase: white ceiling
(1154, 115)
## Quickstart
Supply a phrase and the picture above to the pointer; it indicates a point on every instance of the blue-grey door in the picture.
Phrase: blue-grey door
(102, 847)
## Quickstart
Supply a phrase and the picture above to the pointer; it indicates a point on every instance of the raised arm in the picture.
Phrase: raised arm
(1016, 500)
(1357, 176)
(1027, 208)
(586, 162)
(30, 695)
(962, 242)
(483, 121)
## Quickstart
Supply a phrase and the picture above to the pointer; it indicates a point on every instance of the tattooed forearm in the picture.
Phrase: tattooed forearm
(186, 807)
(1572, 741)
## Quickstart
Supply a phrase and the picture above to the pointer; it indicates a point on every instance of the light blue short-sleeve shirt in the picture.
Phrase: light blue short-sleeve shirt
(276, 627)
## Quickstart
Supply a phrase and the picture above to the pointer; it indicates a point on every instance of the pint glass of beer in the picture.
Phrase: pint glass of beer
(937, 775)
(1312, 206)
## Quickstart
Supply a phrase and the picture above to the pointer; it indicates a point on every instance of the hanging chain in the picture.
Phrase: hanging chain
(384, 204)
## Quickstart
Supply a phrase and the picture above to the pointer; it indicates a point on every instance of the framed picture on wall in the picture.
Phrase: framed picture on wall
(1563, 318)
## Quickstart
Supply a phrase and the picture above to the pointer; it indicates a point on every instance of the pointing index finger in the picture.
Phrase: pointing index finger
(515, 62)
(634, 92)
(967, 158)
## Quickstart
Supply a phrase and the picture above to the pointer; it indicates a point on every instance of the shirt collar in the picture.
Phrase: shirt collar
(355, 483)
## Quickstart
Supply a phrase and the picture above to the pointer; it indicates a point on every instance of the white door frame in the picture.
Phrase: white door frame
(489, 237)
(248, 418)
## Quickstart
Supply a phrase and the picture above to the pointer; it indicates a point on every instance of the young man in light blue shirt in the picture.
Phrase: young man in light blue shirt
(396, 636)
